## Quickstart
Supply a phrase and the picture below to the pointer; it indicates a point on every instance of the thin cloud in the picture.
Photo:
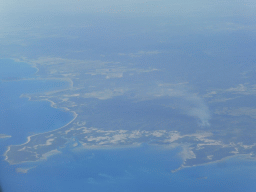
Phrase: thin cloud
(105, 94)
(140, 53)
(184, 100)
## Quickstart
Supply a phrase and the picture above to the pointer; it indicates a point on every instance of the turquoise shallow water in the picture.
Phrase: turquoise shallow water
(145, 168)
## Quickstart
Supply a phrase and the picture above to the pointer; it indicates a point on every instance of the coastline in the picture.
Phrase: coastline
(29, 139)
(32, 65)
(55, 95)
(52, 104)
(243, 156)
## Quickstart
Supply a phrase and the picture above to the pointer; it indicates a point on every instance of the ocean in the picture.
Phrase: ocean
(145, 168)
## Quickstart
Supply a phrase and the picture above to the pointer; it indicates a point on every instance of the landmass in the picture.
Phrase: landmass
(109, 112)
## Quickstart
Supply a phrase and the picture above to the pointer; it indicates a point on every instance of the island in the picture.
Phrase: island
(108, 112)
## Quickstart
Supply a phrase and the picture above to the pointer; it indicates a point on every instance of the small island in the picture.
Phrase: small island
(3, 136)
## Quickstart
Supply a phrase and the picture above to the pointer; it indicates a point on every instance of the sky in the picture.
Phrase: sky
(160, 7)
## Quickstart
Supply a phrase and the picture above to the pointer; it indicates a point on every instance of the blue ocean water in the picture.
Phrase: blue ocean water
(131, 170)
(9, 69)
(144, 168)
(20, 117)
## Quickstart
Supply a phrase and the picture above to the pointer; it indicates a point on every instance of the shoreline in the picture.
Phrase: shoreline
(23, 61)
(70, 86)
(243, 156)
(29, 137)
(52, 104)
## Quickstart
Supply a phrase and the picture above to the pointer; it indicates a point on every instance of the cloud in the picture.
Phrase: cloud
(181, 98)
(239, 88)
(3, 136)
(140, 53)
(187, 153)
(196, 107)
(24, 170)
(235, 92)
(227, 27)
(242, 89)
(248, 111)
(105, 94)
